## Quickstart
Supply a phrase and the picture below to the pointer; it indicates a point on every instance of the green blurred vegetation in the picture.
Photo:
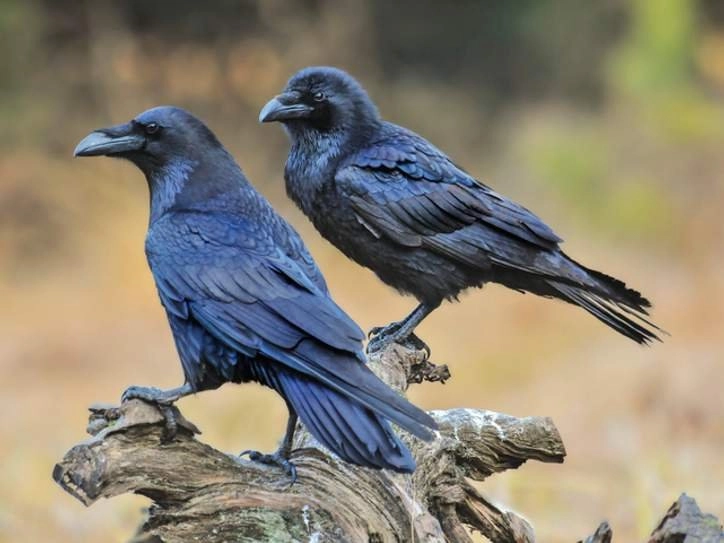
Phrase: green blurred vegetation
(605, 118)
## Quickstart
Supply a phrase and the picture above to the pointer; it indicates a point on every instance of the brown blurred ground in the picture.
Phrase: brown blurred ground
(607, 121)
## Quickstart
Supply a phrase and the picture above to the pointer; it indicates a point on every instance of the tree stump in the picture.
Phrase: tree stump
(683, 523)
(202, 494)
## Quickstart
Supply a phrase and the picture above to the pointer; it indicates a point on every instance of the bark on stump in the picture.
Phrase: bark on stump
(683, 523)
(202, 494)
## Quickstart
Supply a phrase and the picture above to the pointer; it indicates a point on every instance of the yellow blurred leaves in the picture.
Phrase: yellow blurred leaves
(710, 58)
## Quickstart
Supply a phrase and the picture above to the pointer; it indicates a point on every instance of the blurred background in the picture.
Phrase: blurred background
(606, 118)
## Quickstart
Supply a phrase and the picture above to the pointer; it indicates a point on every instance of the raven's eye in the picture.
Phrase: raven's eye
(151, 128)
(318, 96)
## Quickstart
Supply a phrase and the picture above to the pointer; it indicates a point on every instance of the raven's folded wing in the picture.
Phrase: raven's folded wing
(221, 265)
(233, 279)
(407, 190)
(404, 189)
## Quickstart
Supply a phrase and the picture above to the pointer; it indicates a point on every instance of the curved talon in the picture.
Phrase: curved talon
(416, 343)
(384, 330)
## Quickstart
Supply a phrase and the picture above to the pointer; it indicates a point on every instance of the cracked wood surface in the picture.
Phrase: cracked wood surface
(200, 493)
(684, 522)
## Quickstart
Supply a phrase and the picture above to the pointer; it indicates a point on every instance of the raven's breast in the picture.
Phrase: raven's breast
(417, 271)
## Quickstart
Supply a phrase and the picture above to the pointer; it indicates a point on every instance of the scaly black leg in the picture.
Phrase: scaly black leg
(164, 399)
(401, 332)
(281, 456)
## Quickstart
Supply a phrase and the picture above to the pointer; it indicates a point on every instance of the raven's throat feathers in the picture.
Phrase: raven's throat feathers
(167, 182)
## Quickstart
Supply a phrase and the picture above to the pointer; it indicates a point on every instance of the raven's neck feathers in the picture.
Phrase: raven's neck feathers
(209, 181)
(315, 155)
(166, 182)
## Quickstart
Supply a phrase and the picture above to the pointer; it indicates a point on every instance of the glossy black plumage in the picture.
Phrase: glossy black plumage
(393, 202)
(244, 298)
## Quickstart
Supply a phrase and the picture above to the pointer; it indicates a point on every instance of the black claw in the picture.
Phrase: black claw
(416, 343)
(275, 459)
(382, 331)
(253, 455)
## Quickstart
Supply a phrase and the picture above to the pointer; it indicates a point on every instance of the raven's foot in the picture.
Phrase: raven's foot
(384, 330)
(163, 399)
(382, 337)
(280, 458)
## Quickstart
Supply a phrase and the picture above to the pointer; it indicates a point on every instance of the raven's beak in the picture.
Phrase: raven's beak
(284, 107)
(110, 141)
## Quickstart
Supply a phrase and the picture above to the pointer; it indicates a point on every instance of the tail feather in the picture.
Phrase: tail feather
(621, 308)
(353, 432)
(347, 442)
(617, 289)
(606, 298)
(356, 381)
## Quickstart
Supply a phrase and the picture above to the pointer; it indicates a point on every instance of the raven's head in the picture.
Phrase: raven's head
(154, 139)
(321, 99)
(168, 144)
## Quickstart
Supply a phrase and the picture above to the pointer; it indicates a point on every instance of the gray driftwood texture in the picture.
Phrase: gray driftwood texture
(683, 523)
(202, 494)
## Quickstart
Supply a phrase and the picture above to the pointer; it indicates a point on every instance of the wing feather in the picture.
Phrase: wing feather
(404, 188)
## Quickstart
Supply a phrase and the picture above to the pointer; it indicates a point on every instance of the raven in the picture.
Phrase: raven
(393, 202)
(246, 302)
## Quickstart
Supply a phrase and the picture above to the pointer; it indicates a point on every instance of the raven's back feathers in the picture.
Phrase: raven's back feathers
(407, 193)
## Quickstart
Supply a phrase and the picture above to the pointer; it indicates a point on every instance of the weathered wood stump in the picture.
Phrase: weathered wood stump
(202, 494)
(683, 523)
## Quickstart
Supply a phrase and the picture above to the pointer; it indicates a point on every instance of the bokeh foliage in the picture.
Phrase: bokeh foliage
(606, 118)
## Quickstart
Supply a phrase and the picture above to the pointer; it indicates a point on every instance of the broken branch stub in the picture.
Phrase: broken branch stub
(200, 493)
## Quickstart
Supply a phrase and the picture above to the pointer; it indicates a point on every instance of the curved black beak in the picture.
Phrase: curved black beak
(284, 107)
(110, 141)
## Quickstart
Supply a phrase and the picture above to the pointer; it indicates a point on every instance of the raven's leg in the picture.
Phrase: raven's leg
(281, 456)
(402, 331)
(164, 399)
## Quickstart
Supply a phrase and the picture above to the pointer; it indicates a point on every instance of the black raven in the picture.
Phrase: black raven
(393, 202)
(244, 299)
